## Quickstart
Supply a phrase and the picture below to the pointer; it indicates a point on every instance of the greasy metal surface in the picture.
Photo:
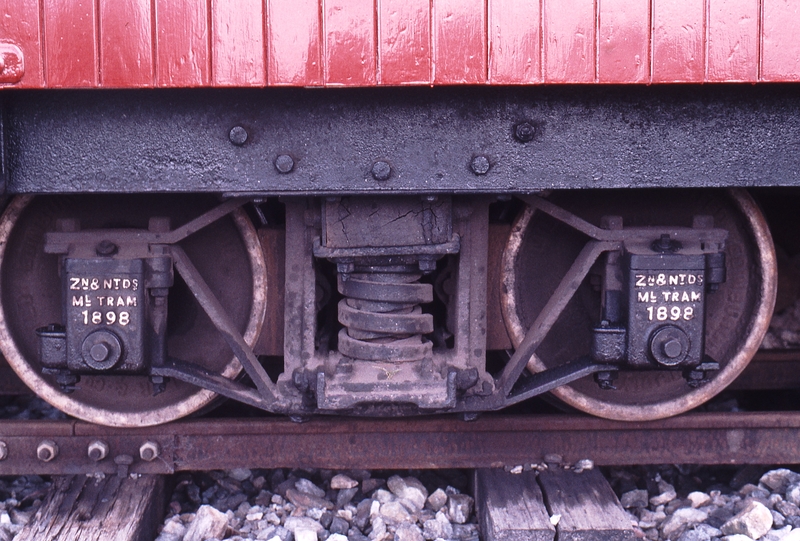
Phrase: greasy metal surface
(189, 43)
(738, 315)
(584, 137)
(444, 442)
(227, 253)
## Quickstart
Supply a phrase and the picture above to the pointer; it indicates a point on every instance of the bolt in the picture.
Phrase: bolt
(238, 135)
(3, 450)
(149, 451)
(605, 380)
(524, 132)
(672, 348)
(480, 165)
(381, 170)
(98, 450)
(106, 248)
(99, 352)
(159, 384)
(123, 463)
(284, 163)
(47, 451)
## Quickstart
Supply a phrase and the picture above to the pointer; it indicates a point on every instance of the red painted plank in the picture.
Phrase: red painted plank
(624, 42)
(70, 45)
(515, 49)
(459, 41)
(678, 41)
(19, 24)
(404, 37)
(350, 47)
(294, 44)
(733, 40)
(780, 57)
(569, 41)
(237, 43)
(126, 43)
(182, 57)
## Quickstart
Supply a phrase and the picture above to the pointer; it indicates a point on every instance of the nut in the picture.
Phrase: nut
(98, 450)
(149, 451)
(524, 132)
(47, 451)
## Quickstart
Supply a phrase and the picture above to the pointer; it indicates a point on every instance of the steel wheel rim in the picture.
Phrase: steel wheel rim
(199, 399)
(759, 323)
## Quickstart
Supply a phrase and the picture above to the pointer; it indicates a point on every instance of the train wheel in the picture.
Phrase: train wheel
(227, 254)
(541, 249)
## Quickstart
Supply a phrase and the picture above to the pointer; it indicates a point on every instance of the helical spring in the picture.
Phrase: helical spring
(382, 316)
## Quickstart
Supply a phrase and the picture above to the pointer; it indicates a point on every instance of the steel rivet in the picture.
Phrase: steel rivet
(148, 451)
(480, 165)
(3, 450)
(238, 135)
(47, 451)
(284, 163)
(524, 132)
(98, 450)
(381, 170)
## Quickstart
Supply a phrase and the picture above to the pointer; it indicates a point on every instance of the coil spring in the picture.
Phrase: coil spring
(382, 315)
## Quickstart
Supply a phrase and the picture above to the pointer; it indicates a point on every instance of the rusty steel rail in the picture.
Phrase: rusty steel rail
(441, 442)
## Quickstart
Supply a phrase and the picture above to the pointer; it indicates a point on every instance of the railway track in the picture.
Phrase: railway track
(64, 447)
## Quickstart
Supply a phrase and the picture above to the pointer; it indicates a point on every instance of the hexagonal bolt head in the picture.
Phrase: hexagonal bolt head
(238, 135)
(98, 450)
(480, 165)
(381, 170)
(3, 450)
(47, 451)
(524, 132)
(149, 451)
(284, 164)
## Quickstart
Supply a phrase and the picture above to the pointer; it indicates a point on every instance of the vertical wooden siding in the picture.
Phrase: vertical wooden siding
(188, 43)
